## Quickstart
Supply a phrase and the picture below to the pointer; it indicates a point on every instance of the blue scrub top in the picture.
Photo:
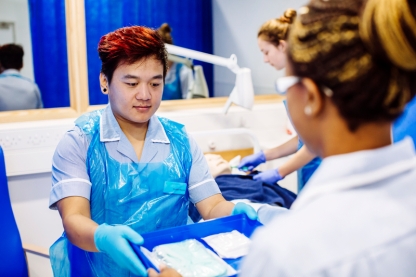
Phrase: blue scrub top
(173, 87)
(405, 125)
(305, 172)
(18, 92)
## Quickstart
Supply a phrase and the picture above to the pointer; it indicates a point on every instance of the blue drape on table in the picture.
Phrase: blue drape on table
(49, 47)
(190, 20)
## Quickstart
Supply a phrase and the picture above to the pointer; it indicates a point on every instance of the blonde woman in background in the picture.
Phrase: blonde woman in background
(271, 40)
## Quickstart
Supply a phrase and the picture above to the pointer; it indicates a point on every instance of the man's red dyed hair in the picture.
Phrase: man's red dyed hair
(129, 45)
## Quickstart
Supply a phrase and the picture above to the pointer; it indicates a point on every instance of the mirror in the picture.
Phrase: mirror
(15, 28)
(235, 27)
(232, 33)
(75, 65)
(190, 21)
(218, 27)
(39, 27)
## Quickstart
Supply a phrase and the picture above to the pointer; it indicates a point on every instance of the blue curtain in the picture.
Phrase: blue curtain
(50, 61)
(190, 20)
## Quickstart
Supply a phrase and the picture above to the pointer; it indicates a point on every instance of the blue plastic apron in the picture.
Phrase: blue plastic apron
(173, 90)
(144, 196)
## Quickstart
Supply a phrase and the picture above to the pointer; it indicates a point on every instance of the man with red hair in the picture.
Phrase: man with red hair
(122, 170)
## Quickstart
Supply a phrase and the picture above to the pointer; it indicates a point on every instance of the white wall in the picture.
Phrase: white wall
(235, 27)
(17, 11)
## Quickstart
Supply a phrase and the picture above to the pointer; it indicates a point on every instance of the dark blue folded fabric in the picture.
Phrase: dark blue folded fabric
(244, 187)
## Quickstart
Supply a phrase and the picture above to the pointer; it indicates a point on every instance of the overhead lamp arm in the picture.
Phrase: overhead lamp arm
(242, 93)
(177, 59)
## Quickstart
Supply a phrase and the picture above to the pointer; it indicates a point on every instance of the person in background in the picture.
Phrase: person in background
(271, 39)
(351, 72)
(179, 78)
(16, 92)
(349, 77)
(122, 170)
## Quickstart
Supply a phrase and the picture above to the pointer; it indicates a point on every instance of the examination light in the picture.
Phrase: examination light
(242, 93)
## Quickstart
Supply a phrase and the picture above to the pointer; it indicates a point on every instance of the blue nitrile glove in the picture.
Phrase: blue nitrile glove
(250, 162)
(114, 241)
(270, 176)
(243, 208)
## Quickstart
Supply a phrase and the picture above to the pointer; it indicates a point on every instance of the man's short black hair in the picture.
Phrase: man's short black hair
(11, 56)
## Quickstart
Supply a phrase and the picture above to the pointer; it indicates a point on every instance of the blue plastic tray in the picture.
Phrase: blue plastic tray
(197, 231)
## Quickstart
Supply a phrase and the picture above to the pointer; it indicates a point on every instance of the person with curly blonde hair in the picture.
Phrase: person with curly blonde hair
(272, 41)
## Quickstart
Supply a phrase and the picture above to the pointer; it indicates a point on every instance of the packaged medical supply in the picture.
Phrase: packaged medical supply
(229, 245)
(191, 258)
(240, 223)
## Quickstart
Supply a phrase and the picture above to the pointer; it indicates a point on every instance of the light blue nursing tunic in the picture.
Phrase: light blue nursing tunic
(70, 176)
(18, 92)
